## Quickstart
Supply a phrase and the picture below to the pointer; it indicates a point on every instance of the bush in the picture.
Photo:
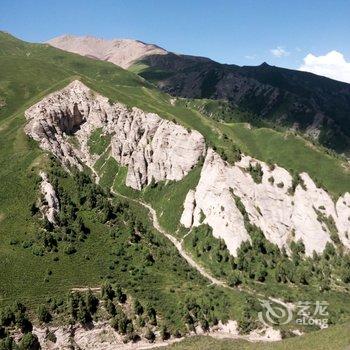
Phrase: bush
(70, 249)
(50, 336)
(256, 172)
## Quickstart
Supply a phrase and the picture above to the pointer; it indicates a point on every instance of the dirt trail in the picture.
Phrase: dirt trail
(179, 247)
(175, 242)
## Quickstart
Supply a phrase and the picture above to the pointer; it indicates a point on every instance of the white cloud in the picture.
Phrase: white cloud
(279, 51)
(332, 65)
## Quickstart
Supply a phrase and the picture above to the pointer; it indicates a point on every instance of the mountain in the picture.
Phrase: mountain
(130, 216)
(316, 106)
(122, 52)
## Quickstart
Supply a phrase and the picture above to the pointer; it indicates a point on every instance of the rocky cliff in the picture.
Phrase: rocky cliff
(50, 205)
(283, 213)
(287, 208)
(151, 147)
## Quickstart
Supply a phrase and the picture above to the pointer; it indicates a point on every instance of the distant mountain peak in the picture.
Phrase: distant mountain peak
(122, 52)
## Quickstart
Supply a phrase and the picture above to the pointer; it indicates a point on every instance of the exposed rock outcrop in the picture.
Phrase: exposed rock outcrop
(51, 206)
(282, 216)
(151, 147)
(154, 149)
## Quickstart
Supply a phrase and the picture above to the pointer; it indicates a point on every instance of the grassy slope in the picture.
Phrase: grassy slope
(335, 338)
(28, 72)
(292, 152)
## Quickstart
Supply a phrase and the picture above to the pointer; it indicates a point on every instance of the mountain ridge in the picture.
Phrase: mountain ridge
(122, 52)
(317, 106)
(64, 229)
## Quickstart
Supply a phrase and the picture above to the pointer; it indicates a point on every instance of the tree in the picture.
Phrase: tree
(107, 291)
(164, 334)
(83, 314)
(204, 324)
(3, 332)
(345, 275)
(234, 279)
(43, 314)
(23, 323)
(280, 273)
(91, 302)
(261, 273)
(29, 342)
(149, 335)
(7, 317)
(152, 315)
(138, 308)
(121, 297)
(8, 344)
(110, 307)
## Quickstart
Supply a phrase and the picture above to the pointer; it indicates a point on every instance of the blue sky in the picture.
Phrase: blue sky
(240, 32)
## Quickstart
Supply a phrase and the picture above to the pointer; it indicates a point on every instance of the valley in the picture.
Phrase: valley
(178, 222)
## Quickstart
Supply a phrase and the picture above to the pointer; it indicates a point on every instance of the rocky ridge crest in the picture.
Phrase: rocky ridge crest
(152, 148)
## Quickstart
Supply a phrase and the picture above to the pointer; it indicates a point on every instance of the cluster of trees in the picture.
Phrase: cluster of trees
(82, 307)
(260, 258)
(83, 195)
(16, 316)
(231, 155)
(197, 314)
(202, 243)
(114, 298)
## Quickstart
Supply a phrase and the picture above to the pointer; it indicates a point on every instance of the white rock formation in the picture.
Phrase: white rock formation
(281, 216)
(151, 147)
(122, 52)
(51, 206)
(154, 148)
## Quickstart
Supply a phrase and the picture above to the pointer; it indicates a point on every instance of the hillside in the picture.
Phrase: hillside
(314, 105)
(97, 171)
(263, 95)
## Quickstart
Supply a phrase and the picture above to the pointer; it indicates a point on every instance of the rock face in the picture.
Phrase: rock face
(51, 206)
(154, 149)
(151, 147)
(281, 215)
(122, 52)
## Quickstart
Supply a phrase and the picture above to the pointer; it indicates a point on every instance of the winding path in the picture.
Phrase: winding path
(193, 263)
(180, 249)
